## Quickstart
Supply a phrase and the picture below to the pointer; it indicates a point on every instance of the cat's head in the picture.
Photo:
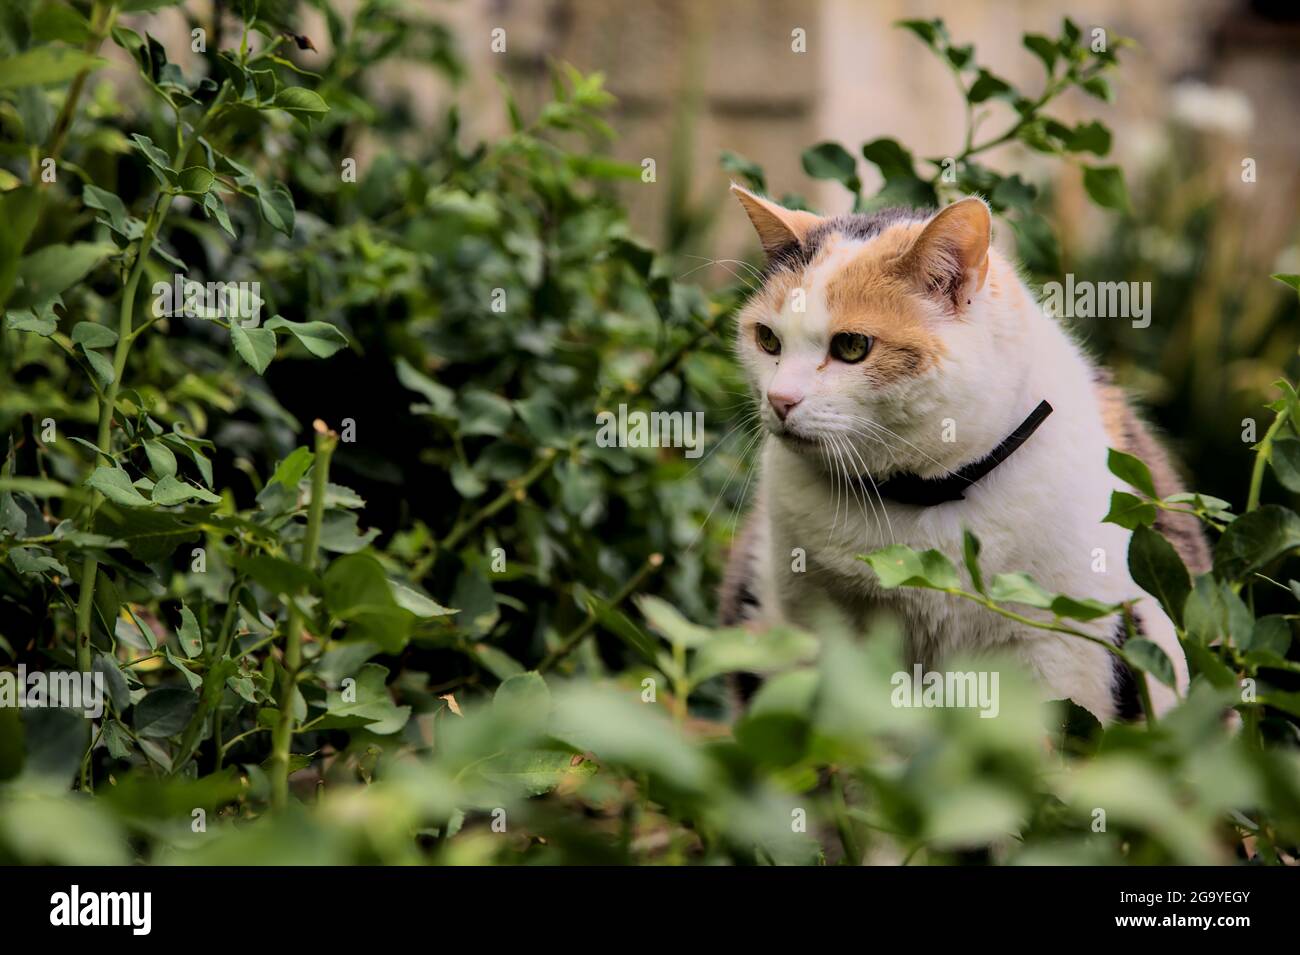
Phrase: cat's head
(872, 334)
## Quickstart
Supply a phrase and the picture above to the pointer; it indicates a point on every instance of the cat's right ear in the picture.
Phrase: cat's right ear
(776, 225)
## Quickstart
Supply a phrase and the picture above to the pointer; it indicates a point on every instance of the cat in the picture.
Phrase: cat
(910, 388)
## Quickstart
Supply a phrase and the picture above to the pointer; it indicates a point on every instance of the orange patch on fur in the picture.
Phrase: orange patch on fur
(871, 296)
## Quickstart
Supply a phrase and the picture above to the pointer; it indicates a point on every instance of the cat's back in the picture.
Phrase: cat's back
(1129, 433)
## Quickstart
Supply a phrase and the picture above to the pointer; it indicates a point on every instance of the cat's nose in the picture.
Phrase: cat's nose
(783, 401)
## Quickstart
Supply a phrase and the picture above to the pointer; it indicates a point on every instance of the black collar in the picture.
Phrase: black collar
(927, 492)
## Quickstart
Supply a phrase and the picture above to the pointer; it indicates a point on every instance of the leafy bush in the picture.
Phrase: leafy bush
(419, 609)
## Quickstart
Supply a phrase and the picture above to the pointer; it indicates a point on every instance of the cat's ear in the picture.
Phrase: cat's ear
(776, 225)
(952, 251)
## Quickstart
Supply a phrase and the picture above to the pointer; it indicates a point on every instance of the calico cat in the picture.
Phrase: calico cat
(911, 387)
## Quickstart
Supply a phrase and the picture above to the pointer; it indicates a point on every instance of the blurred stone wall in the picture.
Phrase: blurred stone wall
(694, 78)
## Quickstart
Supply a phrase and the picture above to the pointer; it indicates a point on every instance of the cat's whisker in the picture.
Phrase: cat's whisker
(754, 437)
(850, 454)
(720, 442)
(893, 434)
(864, 473)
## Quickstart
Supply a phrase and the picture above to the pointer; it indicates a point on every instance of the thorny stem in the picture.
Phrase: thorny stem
(326, 441)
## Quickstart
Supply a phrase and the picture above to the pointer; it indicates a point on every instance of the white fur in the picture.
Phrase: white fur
(1039, 512)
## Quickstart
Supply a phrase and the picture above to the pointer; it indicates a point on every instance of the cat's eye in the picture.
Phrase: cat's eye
(767, 340)
(850, 347)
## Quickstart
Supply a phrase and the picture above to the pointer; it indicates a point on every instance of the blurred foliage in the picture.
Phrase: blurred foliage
(410, 637)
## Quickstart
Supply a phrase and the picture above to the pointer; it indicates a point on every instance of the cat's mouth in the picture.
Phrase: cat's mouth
(796, 440)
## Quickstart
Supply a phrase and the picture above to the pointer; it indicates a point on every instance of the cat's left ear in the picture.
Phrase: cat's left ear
(951, 255)
(777, 226)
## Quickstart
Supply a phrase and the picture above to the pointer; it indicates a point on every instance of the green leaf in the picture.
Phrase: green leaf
(364, 701)
(33, 562)
(1149, 658)
(1255, 539)
(1285, 458)
(931, 32)
(1132, 471)
(255, 345)
(748, 170)
(1090, 137)
(162, 460)
(357, 592)
(277, 575)
(1271, 634)
(1019, 588)
(292, 469)
(115, 484)
(441, 399)
(533, 772)
(44, 65)
(165, 712)
(59, 21)
(55, 268)
(482, 412)
(92, 197)
(745, 651)
(1128, 510)
(170, 491)
(320, 338)
(899, 566)
(1098, 86)
(196, 180)
(215, 207)
(832, 161)
(276, 206)
(43, 325)
(970, 546)
(100, 365)
(621, 625)
(1156, 567)
(1105, 185)
(300, 102)
(156, 157)
(1043, 48)
(93, 335)
(893, 161)
(1287, 278)
(987, 86)
(524, 697)
(1081, 608)
(188, 634)
(665, 618)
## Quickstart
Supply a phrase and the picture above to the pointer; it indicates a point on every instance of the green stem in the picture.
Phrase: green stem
(848, 838)
(59, 131)
(292, 663)
(213, 683)
(653, 562)
(125, 319)
(514, 491)
(1261, 460)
